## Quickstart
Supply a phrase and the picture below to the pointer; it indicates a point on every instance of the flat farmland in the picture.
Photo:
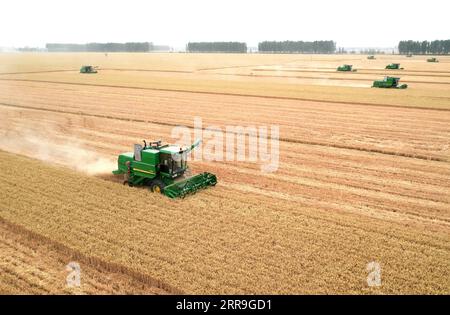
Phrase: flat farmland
(250, 74)
(33, 265)
(364, 174)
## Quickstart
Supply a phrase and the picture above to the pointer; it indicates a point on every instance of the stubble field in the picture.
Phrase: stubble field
(364, 174)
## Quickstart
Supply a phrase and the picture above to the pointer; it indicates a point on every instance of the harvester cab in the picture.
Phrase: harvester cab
(346, 68)
(389, 82)
(162, 168)
(394, 66)
(88, 69)
(433, 59)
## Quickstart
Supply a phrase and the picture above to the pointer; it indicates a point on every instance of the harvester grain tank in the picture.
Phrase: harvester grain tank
(394, 66)
(163, 168)
(433, 59)
(88, 69)
(346, 68)
(389, 83)
(371, 57)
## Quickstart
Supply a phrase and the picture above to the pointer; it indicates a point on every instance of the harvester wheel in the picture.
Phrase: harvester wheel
(157, 186)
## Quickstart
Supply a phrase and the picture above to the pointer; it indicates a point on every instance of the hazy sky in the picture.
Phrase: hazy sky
(351, 23)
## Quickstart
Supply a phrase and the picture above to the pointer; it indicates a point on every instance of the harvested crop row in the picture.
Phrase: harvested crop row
(414, 191)
(360, 72)
(380, 131)
(338, 77)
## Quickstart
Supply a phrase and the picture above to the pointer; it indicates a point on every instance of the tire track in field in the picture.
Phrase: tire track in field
(289, 140)
(91, 261)
(37, 72)
(319, 78)
(242, 66)
(147, 70)
(372, 71)
(281, 76)
(291, 98)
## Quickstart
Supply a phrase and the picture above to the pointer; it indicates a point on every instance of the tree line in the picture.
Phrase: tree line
(437, 47)
(101, 47)
(233, 47)
(315, 47)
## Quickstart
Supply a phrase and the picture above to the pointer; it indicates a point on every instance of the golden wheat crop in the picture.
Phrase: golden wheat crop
(31, 264)
(363, 176)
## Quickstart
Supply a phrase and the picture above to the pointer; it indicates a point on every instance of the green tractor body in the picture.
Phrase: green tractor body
(432, 60)
(394, 66)
(389, 82)
(371, 57)
(88, 69)
(345, 68)
(162, 168)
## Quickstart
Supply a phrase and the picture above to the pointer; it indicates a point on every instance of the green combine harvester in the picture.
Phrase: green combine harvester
(432, 60)
(346, 68)
(371, 57)
(409, 55)
(88, 69)
(389, 83)
(163, 169)
(394, 66)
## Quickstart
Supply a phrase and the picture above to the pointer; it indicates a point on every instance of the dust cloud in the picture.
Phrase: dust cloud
(42, 145)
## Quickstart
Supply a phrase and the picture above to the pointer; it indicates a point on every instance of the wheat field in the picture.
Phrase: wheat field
(364, 175)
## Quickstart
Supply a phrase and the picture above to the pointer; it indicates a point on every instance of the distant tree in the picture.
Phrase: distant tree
(229, 47)
(424, 47)
(101, 47)
(372, 51)
(321, 47)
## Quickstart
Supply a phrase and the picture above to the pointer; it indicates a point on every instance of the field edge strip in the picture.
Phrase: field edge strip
(92, 261)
